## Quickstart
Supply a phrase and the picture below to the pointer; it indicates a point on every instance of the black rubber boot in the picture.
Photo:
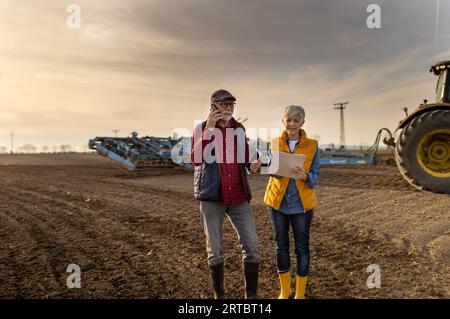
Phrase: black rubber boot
(217, 280)
(251, 280)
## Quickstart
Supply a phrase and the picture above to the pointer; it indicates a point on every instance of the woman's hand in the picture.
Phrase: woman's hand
(300, 173)
(213, 117)
(255, 166)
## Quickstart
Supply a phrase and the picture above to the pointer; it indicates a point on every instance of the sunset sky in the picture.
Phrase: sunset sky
(151, 65)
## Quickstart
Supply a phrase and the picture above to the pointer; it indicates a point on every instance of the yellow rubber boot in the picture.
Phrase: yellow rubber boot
(300, 286)
(285, 285)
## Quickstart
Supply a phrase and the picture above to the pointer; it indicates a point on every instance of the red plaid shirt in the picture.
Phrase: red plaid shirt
(231, 184)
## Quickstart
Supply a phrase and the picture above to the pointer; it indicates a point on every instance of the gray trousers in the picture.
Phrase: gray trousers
(241, 217)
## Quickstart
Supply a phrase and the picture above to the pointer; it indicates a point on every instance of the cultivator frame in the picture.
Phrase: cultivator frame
(135, 152)
(369, 157)
(138, 153)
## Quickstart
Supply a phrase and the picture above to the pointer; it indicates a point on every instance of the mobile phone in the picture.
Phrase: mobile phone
(213, 107)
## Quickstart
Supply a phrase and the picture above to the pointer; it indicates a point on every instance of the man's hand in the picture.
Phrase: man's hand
(255, 166)
(300, 173)
(213, 117)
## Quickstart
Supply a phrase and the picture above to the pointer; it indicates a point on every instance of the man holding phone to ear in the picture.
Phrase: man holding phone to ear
(222, 189)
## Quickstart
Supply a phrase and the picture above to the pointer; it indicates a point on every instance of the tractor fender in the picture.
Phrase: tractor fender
(420, 110)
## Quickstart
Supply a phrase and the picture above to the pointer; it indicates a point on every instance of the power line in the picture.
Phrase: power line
(341, 108)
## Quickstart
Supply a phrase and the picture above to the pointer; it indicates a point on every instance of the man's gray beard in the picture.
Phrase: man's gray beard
(227, 117)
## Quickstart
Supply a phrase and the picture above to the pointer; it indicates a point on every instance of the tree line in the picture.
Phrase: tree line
(46, 149)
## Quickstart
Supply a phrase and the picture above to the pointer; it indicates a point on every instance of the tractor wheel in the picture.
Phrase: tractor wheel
(423, 152)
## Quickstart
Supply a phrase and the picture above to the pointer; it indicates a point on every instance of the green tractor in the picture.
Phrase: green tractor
(423, 146)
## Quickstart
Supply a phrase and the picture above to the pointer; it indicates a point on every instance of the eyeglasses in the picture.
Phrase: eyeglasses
(226, 104)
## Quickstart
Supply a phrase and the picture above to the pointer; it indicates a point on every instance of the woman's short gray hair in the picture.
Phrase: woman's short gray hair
(294, 110)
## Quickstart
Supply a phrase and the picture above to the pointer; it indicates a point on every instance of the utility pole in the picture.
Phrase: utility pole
(116, 131)
(341, 108)
(12, 142)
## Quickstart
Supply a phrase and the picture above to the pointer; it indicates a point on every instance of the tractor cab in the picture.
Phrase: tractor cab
(442, 70)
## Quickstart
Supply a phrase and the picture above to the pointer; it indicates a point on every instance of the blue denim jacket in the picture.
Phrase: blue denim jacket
(291, 203)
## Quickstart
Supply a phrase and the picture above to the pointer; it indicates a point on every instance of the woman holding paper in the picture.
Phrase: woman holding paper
(291, 201)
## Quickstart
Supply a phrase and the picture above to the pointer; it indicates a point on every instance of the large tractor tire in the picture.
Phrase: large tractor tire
(423, 152)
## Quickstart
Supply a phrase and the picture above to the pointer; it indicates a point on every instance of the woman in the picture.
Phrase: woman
(291, 201)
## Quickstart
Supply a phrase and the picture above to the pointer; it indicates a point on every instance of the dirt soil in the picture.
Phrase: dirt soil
(138, 235)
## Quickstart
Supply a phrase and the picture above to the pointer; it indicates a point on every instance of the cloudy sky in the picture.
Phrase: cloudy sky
(151, 65)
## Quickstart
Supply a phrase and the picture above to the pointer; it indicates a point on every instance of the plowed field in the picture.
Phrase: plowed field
(138, 235)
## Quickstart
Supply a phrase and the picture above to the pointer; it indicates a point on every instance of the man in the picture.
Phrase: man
(220, 155)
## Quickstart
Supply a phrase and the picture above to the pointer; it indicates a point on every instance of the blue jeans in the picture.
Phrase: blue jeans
(300, 224)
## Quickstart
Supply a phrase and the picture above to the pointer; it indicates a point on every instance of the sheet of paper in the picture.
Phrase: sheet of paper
(282, 163)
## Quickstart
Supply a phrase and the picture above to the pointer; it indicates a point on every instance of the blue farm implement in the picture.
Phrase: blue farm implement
(345, 158)
(135, 152)
(368, 157)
